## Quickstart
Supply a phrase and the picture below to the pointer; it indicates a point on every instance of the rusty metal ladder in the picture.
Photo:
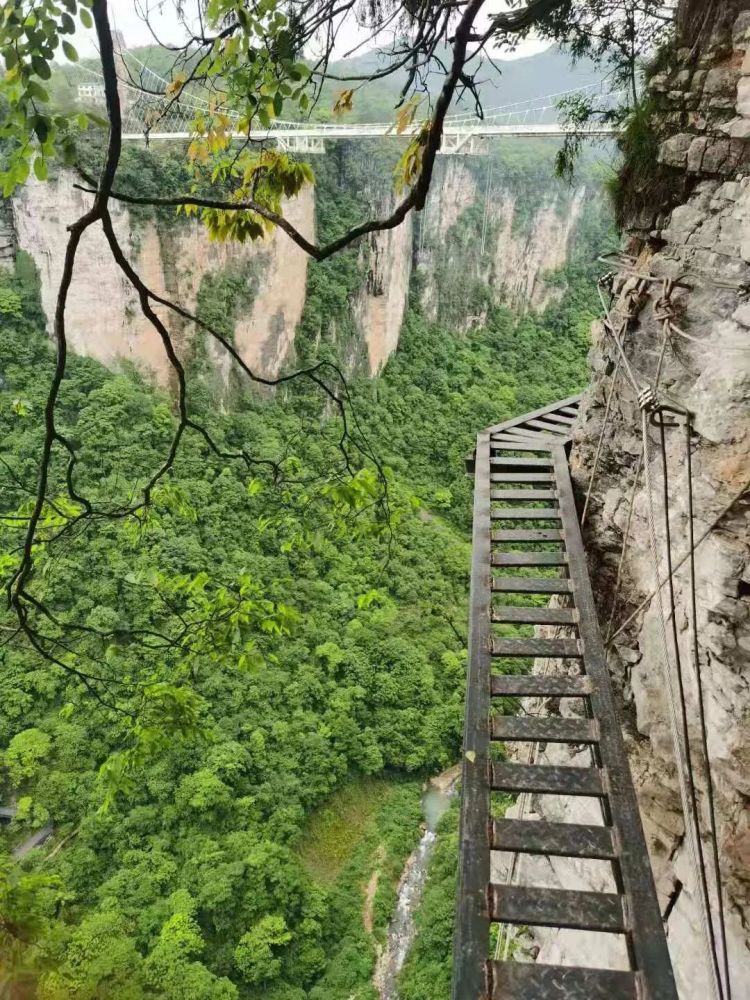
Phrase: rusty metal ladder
(523, 462)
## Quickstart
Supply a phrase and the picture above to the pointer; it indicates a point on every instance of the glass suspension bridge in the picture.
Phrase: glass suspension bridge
(151, 114)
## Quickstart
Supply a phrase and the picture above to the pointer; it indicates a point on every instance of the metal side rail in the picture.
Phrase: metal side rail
(527, 547)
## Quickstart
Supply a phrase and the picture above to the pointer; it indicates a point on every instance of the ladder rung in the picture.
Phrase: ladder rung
(547, 428)
(572, 411)
(521, 535)
(570, 840)
(527, 495)
(586, 911)
(517, 431)
(546, 779)
(543, 729)
(521, 463)
(522, 477)
(531, 585)
(559, 418)
(539, 686)
(532, 981)
(533, 646)
(499, 445)
(529, 558)
(526, 514)
(535, 616)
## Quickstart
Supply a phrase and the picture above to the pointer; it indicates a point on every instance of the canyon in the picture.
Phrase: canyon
(489, 236)
(175, 259)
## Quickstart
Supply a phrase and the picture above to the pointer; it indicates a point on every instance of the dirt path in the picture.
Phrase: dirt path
(370, 890)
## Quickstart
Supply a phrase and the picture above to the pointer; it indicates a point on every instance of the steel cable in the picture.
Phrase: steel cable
(690, 770)
(677, 740)
(702, 714)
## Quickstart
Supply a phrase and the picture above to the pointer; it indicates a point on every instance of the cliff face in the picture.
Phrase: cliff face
(103, 316)
(699, 244)
(523, 258)
(493, 232)
(478, 230)
(379, 309)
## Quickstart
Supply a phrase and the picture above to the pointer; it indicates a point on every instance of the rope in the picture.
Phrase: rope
(691, 790)
(702, 715)
(697, 340)
(678, 719)
(638, 468)
(605, 424)
(679, 748)
(609, 327)
(680, 562)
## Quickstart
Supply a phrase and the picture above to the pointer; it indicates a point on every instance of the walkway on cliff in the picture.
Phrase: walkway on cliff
(528, 550)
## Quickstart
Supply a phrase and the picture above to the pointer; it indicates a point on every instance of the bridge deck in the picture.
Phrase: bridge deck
(528, 456)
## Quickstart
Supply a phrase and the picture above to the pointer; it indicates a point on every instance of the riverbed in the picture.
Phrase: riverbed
(402, 929)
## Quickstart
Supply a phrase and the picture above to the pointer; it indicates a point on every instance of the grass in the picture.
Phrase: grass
(334, 831)
(369, 824)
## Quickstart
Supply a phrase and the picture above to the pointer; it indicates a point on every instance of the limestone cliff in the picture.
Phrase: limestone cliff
(494, 230)
(103, 317)
(688, 260)
(380, 305)
(479, 230)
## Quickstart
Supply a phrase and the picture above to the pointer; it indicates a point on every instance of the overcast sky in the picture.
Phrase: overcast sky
(124, 15)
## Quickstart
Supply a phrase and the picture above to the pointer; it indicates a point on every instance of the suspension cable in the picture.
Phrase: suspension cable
(680, 735)
(636, 478)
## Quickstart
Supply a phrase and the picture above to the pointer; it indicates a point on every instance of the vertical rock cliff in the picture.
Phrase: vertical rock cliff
(494, 229)
(103, 317)
(680, 301)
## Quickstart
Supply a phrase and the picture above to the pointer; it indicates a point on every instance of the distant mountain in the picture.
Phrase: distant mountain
(507, 82)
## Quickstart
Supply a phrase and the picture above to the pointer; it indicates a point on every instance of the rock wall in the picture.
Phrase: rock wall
(524, 254)
(7, 235)
(479, 230)
(103, 316)
(379, 309)
(700, 240)
(174, 257)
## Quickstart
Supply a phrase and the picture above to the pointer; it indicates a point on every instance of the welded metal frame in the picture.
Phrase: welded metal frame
(634, 908)
(472, 939)
(647, 941)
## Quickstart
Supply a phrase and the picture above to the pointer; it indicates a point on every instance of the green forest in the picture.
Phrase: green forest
(311, 652)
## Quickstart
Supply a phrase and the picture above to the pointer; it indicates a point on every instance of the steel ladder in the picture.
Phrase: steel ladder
(527, 541)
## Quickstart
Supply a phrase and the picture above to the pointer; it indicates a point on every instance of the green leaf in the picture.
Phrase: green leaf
(41, 67)
(86, 19)
(40, 168)
(70, 51)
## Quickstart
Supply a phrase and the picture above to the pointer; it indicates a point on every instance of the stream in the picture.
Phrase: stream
(402, 929)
